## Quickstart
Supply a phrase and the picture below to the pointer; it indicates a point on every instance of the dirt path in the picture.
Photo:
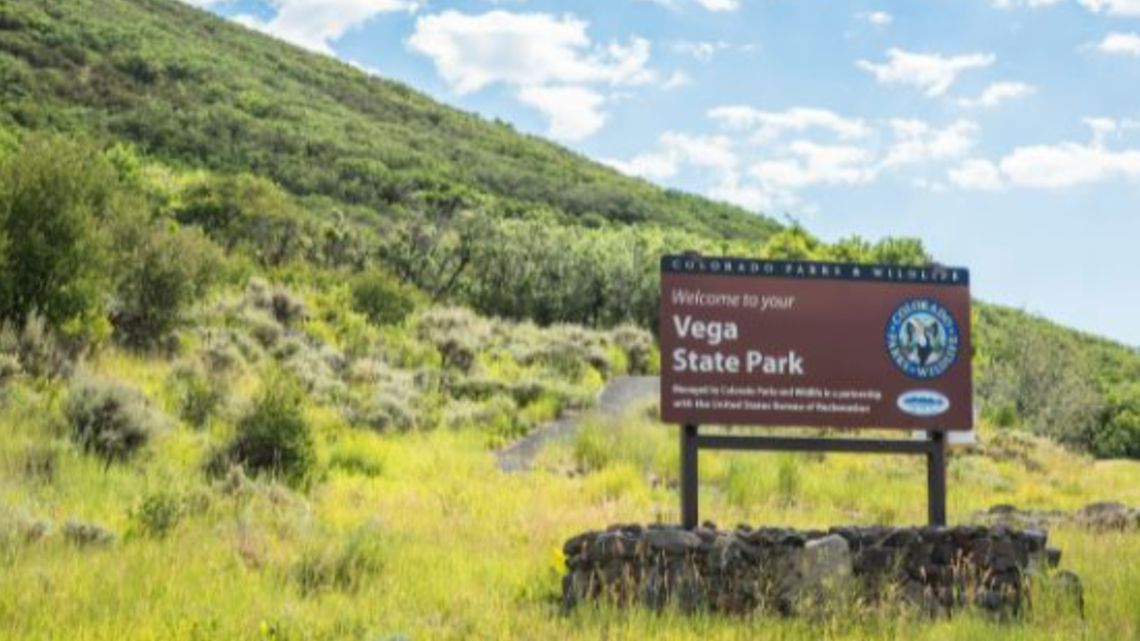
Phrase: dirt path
(618, 395)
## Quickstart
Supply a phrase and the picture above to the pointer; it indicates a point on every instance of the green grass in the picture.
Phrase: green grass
(459, 550)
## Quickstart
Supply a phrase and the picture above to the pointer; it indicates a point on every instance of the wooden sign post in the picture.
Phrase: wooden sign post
(795, 344)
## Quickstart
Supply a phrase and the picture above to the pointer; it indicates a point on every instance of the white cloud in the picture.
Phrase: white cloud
(471, 52)
(702, 51)
(676, 81)
(932, 74)
(916, 142)
(1113, 7)
(879, 19)
(710, 5)
(705, 152)
(812, 164)
(317, 24)
(1055, 166)
(1120, 44)
(205, 4)
(1068, 165)
(976, 174)
(769, 125)
(997, 93)
(575, 113)
(750, 197)
(652, 166)
(1110, 7)
(549, 61)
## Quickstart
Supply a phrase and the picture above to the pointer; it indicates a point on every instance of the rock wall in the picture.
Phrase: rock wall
(786, 571)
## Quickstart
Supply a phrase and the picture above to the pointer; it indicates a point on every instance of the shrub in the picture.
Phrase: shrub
(156, 515)
(83, 534)
(165, 273)
(1117, 434)
(456, 333)
(56, 199)
(108, 418)
(638, 347)
(382, 299)
(248, 213)
(198, 395)
(389, 408)
(35, 349)
(274, 438)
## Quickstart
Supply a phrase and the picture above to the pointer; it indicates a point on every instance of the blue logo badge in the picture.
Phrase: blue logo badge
(924, 402)
(922, 338)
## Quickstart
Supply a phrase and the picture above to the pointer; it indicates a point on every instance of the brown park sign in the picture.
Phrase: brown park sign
(775, 343)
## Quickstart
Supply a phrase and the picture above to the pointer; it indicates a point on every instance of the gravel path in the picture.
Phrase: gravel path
(618, 395)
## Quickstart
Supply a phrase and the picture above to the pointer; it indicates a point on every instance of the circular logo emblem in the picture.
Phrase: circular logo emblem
(922, 338)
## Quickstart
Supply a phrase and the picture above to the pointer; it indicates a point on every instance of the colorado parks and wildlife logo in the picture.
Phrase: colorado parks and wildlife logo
(922, 338)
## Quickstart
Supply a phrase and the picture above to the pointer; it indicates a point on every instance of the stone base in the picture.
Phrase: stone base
(935, 570)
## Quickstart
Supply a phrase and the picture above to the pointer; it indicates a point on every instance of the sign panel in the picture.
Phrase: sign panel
(785, 343)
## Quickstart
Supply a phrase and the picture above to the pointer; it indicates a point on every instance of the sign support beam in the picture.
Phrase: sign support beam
(692, 441)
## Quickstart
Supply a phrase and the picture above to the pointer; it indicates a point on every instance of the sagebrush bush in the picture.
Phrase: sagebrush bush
(457, 333)
(641, 354)
(35, 348)
(109, 418)
(274, 437)
(198, 395)
(388, 409)
(286, 307)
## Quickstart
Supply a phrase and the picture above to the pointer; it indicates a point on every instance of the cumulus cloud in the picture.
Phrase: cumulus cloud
(575, 113)
(1119, 44)
(997, 93)
(713, 153)
(471, 52)
(783, 153)
(317, 24)
(916, 141)
(1068, 165)
(550, 62)
(1055, 166)
(933, 74)
(810, 163)
(976, 174)
(770, 125)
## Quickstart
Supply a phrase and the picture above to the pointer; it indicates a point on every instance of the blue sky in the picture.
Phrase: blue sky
(1004, 133)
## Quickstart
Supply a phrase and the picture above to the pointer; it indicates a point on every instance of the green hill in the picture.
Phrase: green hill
(197, 91)
(263, 319)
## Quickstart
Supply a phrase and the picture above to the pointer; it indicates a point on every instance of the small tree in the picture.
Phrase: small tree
(165, 273)
(1118, 433)
(383, 299)
(55, 198)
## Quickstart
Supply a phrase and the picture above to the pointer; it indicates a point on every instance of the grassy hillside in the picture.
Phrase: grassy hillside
(197, 91)
(263, 318)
